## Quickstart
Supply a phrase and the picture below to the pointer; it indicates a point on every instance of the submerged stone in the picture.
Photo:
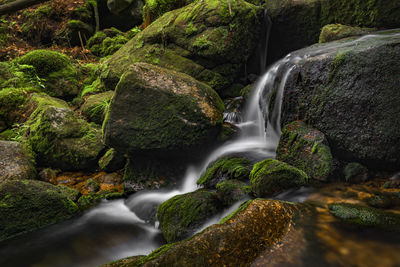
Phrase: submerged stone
(26, 205)
(307, 149)
(16, 162)
(365, 216)
(272, 176)
(182, 215)
(162, 113)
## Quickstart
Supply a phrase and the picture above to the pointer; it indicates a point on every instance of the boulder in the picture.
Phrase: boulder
(225, 169)
(349, 91)
(26, 205)
(182, 215)
(162, 113)
(59, 138)
(58, 74)
(332, 32)
(232, 191)
(15, 162)
(272, 176)
(307, 149)
(208, 40)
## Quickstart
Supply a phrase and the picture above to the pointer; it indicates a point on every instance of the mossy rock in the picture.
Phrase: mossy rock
(112, 161)
(26, 205)
(225, 169)
(332, 32)
(16, 162)
(232, 191)
(238, 241)
(95, 106)
(365, 216)
(272, 176)
(206, 39)
(307, 149)
(59, 138)
(92, 199)
(154, 9)
(182, 215)
(162, 113)
(355, 173)
(345, 79)
(56, 70)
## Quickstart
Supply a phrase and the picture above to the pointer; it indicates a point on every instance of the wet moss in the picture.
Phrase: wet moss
(272, 176)
(332, 32)
(96, 106)
(365, 216)
(225, 169)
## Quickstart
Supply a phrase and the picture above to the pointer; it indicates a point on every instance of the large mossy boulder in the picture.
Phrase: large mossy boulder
(365, 216)
(238, 240)
(226, 168)
(272, 176)
(210, 40)
(182, 215)
(26, 205)
(16, 162)
(162, 113)
(350, 92)
(310, 16)
(59, 138)
(307, 149)
(58, 74)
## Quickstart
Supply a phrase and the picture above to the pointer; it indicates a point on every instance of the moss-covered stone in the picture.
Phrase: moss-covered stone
(92, 199)
(112, 161)
(55, 69)
(225, 169)
(345, 78)
(16, 162)
(365, 216)
(332, 32)
(95, 106)
(182, 215)
(162, 113)
(307, 149)
(26, 205)
(238, 241)
(60, 138)
(214, 53)
(232, 191)
(272, 176)
(355, 173)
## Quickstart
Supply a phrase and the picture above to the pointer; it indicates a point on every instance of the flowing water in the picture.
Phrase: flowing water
(117, 229)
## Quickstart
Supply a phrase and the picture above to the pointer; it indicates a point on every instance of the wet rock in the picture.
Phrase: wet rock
(130, 261)
(92, 186)
(112, 161)
(211, 46)
(332, 32)
(95, 106)
(225, 169)
(307, 149)
(15, 162)
(182, 215)
(272, 176)
(26, 205)
(55, 69)
(92, 199)
(232, 191)
(365, 216)
(330, 91)
(237, 241)
(59, 138)
(355, 173)
(162, 113)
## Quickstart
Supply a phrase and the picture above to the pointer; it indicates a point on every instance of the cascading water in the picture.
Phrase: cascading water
(125, 229)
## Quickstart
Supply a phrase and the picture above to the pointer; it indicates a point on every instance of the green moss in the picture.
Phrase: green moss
(92, 199)
(28, 205)
(333, 32)
(365, 216)
(201, 43)
(225, 168)
(96, 106)
(355, 171)
(272, 176)
(181, 215)
(232, 191)
(241, 208)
